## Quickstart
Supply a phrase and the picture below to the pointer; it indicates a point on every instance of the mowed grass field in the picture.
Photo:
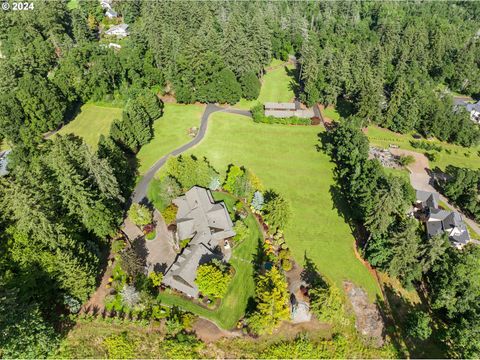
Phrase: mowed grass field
(286, 159)
(458, 156)
(92, 122)
(277, 86)
(170, 132)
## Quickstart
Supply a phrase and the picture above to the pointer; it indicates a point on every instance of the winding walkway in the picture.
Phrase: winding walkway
(140, 192)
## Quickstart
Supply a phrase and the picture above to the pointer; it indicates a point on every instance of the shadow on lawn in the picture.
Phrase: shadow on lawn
(294, 84)
(396, 320)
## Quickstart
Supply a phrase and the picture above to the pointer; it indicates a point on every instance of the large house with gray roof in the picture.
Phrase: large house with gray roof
(207, 223)
(439, 221)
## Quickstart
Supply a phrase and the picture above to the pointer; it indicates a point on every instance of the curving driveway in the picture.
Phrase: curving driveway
(140, 192)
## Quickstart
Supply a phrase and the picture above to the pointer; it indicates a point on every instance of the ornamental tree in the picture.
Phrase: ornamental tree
(212, 281)
(140, 215)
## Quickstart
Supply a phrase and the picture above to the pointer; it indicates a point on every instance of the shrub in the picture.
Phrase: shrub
(287, 265)
(241, 232)
(406, 160)
(119, 346)
(431, 156)
(162, 191)
(140, 215)
(131, 262)
(419, 325)
(189, 171)
(212, 281)
(425, 145)
(130, 296)
(156, 278)
(170, 213)
(276, 211)
(250, 86)
(184, 243)
(151, 235)
(258, 201)
(326, 303)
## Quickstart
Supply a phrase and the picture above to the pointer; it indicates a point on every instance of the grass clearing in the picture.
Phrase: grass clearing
(170, 132)
(72, 4)
(331, 113)
(285, 158)
(92, 122)
(277, 86)
(242, 287)
(458, 156)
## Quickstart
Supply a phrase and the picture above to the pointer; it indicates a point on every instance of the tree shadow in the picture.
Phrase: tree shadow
(294, 84)
(311, 275)
(344, 107)
(160, 268)
(140, 248)
(396, 314)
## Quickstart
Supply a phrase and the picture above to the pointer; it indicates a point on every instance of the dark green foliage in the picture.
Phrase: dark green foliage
(227, 87)
(462, 186)
(135, 128)
(25, 333)
(276, 211)
(390, 70)
(419, 325)
(250, 86)
(131, 262)
(189, 171)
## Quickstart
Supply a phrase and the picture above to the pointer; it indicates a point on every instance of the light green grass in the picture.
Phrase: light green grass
(276, 87)
(170, 132)
(403, 173)
(285, 158)
(242, 286)
(72, 4)
(331, 113)
(383, 138)
(92, 122)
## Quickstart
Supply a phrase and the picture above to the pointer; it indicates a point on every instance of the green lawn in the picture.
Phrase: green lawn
(92, 122)
(285, 158)
(459, 156)
(170, 132)
(331, 113)
(72, 4)
(242, 287)
(276, 87)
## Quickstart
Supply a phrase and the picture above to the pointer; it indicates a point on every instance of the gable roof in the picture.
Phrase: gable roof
(428, 199)
(280, 106)
(206, 223)
(450, 222)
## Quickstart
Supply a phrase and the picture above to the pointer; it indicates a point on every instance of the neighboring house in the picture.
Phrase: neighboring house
(4, 162)
(111, 14)
(439, 221)
(209, 226)
(426, 199)
(285, 110)
(120, 31)
(472, 108)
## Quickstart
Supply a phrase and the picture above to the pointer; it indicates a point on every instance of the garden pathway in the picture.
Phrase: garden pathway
(160, 251)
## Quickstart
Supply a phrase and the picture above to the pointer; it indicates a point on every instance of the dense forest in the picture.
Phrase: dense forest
(385, 63)
(389, 62)
(396, 244)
